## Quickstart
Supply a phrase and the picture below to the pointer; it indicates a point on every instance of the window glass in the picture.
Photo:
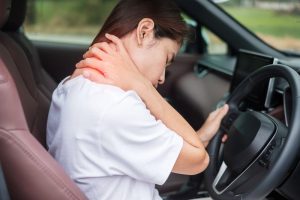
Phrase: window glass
(277, 22)
(66, 21)
(215, 44)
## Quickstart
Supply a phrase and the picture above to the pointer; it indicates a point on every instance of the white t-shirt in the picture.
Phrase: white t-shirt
(108, 141)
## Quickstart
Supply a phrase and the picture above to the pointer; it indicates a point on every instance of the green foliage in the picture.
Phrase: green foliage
(252, 2)
(70, 12)
(268, 22)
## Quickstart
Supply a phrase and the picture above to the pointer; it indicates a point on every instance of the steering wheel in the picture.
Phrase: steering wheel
(260, 150)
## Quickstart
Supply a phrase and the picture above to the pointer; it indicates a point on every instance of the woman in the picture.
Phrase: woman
(118, 137)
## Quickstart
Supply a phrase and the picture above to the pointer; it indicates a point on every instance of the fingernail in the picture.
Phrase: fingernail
(226, 107)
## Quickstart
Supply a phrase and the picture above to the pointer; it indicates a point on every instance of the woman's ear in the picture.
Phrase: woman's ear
(145, 32)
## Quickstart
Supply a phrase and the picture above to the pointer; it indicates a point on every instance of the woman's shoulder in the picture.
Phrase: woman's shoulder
(82, 89)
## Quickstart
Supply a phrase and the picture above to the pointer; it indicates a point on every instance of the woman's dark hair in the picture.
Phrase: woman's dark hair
(127, 14)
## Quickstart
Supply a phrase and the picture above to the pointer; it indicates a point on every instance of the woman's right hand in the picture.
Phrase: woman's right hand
(110, 64)
(212, 125)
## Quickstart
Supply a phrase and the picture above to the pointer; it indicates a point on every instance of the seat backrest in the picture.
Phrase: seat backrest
(34, 102)
(30, 172)
(13, 27)
(34, 85)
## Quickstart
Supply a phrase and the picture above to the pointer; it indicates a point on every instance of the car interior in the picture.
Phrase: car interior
(261, 162)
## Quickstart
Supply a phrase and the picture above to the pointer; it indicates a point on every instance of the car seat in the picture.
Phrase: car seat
(34, 85)
(29, 170)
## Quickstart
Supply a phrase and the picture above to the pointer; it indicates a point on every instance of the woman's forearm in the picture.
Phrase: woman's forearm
(163, 111)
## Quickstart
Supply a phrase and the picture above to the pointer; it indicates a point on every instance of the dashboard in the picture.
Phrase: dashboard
(247, 62)
(272, 96)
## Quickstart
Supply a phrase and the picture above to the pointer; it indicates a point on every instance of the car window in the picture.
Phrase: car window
(277, 22)
(78, 21)
(215, 45)
(75, 21)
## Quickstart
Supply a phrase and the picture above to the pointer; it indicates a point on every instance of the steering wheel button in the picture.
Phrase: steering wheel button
(270, 150)
(267, 156)
(262, 163)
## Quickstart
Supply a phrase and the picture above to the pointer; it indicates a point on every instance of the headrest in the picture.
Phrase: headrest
(5, 6)
(16, 16)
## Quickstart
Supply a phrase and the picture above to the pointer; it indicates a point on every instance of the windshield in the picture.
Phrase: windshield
(277, 22)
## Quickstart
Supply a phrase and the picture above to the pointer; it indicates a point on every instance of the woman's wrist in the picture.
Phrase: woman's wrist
(203, 137)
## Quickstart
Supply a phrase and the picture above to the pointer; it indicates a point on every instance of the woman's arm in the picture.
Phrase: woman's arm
(116, 67)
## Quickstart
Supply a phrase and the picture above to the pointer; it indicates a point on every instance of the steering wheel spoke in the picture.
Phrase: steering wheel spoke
(228, 181)
(220, 184)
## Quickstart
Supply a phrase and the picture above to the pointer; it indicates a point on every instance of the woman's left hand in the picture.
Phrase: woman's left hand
(109, 63)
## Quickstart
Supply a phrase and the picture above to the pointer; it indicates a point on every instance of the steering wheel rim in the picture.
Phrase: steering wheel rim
(287, 155)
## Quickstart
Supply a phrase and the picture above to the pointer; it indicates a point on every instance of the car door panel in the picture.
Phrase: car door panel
(195, 94)
(195, 97)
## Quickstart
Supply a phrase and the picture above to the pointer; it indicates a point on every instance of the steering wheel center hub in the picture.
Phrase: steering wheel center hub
(248, 135)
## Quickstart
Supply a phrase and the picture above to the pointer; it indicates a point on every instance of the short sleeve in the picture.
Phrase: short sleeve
(136, 144)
